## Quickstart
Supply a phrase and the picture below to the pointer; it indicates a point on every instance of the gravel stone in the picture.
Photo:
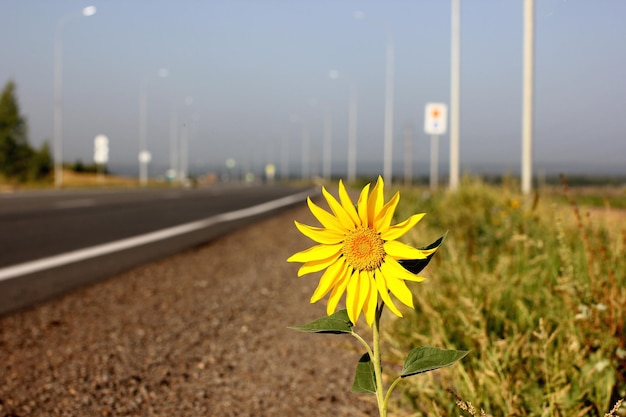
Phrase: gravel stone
(201, 333)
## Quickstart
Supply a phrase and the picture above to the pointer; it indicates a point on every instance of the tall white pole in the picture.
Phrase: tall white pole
(58, 108)
(58, 92)
(455, 91)
(143, 163)
(352, 136)
(389, 74)
(408, 155)
(434, 162)
(174, 143)
(306, 154)
(175, 136)
(388, 146)
(527, 97)
(284, 148)
(328, 139)
(184, 152)
(144, 156)
(352, 120)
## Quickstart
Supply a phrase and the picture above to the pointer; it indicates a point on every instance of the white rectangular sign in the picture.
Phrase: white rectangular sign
(436, 119)
(101, 150)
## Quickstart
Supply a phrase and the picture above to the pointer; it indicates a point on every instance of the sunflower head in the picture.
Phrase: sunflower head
(357, 248)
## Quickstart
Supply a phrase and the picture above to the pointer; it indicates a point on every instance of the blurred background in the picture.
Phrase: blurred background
(230, 87)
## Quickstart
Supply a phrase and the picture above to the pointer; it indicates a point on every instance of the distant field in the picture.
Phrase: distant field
(73, 179)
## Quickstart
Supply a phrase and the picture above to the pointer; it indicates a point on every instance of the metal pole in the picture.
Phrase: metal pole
(388, 145)
(284, 166)
(174, 142)
(184, 152)
(352, 137)
(305, 151)
(434, 162)
(527, 97)
(328, 139)
(408, 154)
(455, 88)
(58, 106)
(143, 165)
(58, 92)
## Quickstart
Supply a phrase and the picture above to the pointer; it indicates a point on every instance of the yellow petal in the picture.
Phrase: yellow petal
(347, 204)
(338, 291)
(320, 235)
(383, 219)
(362, 205)
(393, 268)
(330, 278)
(371, 303)
(375, 201)
(401, 251)
(325, 218)
(397, 287)
(379, 278)
(394, 232)
(357, 292)
(315, 253)
(341, 214)
(315, 266)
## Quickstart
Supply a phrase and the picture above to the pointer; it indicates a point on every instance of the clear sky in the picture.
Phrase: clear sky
(257, 70)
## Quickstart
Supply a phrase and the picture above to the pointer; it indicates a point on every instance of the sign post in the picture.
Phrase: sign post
(435, 124)
(101, 154)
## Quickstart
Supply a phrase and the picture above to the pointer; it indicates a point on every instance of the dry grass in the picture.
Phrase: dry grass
(536, 289)
(73, 179)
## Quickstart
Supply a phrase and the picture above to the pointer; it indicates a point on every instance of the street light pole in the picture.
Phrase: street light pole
(328, 143)
(527, 101)
(306, 157)
(388, 149)
(174, 138)
(352, 138)
(455, 88)
(352, 123)
(388, 132)
(58, 92)
(144, 156)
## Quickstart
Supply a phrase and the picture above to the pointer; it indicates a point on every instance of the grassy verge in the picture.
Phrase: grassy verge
(535, 289)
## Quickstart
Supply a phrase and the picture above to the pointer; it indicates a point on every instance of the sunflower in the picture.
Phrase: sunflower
(358, 248)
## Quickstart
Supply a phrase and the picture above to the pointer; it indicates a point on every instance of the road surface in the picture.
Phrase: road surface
(52, 242)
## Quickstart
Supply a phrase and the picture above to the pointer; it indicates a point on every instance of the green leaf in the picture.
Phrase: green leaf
(427, 358)
(416, 265)
(364, 377)
(336, 323)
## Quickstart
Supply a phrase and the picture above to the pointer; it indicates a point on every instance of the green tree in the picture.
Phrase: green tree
(14, 149)
(41, 163)
(18, 160)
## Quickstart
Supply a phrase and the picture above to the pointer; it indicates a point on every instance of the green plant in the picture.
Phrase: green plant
(535, 289)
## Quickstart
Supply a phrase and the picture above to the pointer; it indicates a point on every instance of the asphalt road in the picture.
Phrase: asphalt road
(54, 241)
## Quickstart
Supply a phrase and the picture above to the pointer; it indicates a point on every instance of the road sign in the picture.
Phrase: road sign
(101, 150)
(436, 119)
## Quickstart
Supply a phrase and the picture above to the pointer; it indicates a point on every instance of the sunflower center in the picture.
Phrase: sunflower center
(363, 249)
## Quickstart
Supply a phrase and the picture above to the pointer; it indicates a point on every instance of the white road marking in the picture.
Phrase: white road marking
(119, 245)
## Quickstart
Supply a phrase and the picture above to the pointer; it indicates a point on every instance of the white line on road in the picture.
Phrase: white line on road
(106, 248)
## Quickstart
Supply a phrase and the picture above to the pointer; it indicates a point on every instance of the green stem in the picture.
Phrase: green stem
(393, 385)
(376, 361)
(364, 343)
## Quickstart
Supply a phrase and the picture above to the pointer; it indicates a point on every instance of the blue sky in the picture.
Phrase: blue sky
(257, 70)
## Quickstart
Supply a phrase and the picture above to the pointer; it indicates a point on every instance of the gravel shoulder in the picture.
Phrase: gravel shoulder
(202, 333)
